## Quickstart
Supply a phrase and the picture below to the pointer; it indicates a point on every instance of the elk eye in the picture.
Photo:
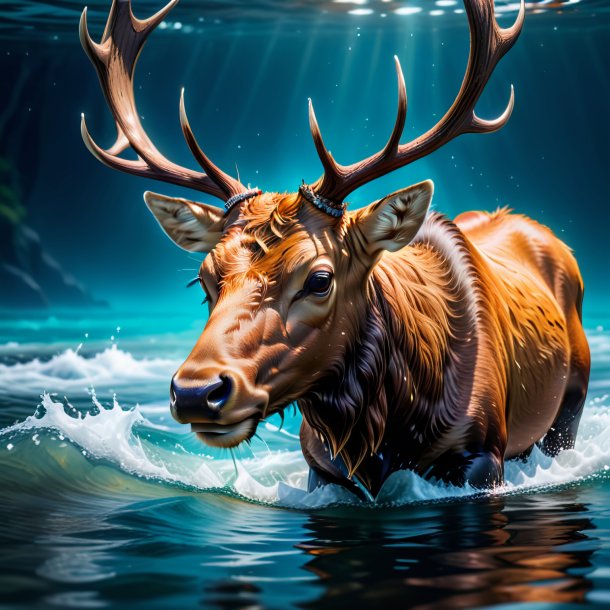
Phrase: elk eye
(318, 283)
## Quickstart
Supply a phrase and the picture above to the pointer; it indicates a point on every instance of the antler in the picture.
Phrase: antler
(488, 44)
(115, 60)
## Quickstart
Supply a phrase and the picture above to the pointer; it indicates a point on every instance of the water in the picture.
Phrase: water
(106, 501)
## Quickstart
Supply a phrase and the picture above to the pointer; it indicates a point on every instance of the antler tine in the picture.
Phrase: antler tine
(488, 44)
(401, 115)
(223, 180)
(115, 61)
(108, 157)
(479, 125)
(509, 35)
(329, 164)
(153, 21)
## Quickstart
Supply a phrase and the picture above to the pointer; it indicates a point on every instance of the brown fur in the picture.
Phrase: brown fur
(462, 343)
(408, 381)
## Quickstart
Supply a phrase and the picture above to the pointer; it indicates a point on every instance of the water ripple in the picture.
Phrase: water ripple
(57, 20)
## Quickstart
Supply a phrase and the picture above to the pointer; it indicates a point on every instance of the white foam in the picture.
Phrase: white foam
(278, 475)
(109, 434)
(70, 370)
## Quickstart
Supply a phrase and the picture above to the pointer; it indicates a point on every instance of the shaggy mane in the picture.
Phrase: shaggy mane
(349, 408)
(403, 381)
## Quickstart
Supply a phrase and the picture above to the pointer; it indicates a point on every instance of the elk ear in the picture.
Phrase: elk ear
(392, 222)
(196, 227)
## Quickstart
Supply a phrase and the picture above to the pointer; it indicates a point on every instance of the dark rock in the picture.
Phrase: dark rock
(18, 289)
(31, 277)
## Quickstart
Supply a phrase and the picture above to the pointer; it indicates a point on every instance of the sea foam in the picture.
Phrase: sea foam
(70, 370)
(276, 474)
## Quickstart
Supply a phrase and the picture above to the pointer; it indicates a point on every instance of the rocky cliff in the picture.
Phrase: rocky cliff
(29, 275)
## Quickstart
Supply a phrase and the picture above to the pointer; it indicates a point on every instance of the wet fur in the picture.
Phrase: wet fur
(446, 356)
(430, 381)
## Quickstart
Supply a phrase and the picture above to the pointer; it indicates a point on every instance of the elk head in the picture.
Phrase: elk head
(286, 276)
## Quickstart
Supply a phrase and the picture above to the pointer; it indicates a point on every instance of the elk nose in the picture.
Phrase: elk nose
(196, 403)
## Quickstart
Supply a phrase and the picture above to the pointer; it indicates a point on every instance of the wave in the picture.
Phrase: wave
(144, 443)
(70, 370)
(122, 437)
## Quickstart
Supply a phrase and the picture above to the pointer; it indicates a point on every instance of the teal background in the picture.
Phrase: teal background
(248, 78)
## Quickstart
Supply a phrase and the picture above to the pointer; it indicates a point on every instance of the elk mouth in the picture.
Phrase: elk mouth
(226, 435)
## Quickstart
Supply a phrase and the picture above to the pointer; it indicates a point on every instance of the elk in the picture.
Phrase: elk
(406, 339)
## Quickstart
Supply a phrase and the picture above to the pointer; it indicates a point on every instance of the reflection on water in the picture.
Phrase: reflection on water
(533, 549)
(168, 551)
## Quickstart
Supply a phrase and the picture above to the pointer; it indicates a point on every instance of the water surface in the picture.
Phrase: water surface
(107, 502)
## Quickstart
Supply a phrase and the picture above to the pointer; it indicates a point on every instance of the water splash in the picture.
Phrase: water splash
(142, 442)
(70, 370)
(121, 437)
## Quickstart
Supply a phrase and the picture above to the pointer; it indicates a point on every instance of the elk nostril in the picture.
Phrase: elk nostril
(174, 392)
(193, 400)
(219, 395)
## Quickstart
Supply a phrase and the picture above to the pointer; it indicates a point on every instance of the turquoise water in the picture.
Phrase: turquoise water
(106, 501)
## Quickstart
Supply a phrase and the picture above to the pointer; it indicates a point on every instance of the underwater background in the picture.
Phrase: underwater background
(105, 501)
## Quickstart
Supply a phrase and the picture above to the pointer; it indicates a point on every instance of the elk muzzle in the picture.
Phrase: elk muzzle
(189, 404)
(221, 405)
